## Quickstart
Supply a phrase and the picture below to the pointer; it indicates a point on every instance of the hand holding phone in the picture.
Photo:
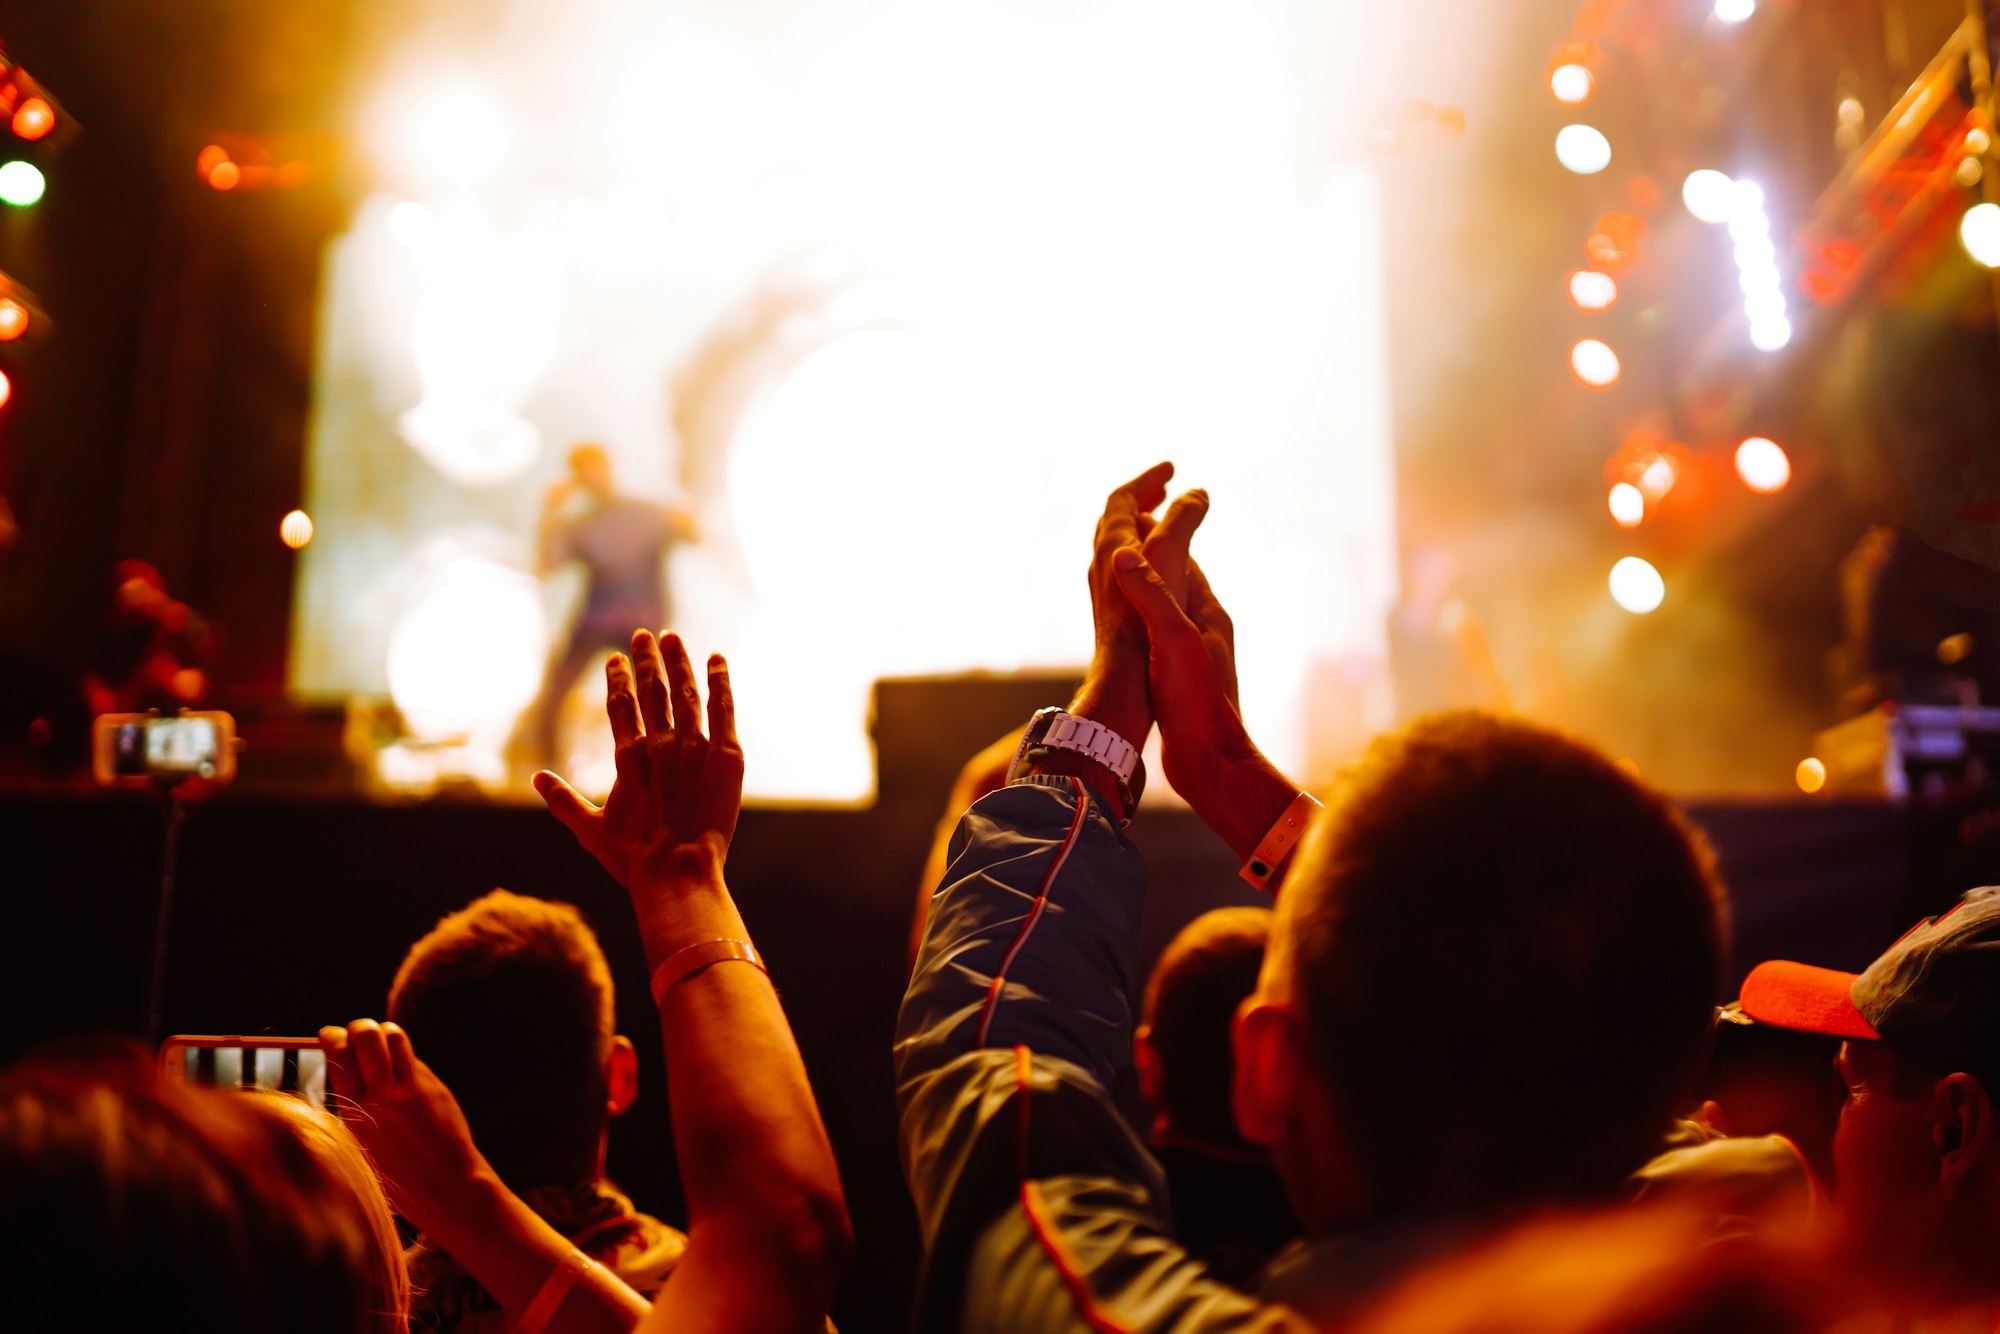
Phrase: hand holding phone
(411, 1125)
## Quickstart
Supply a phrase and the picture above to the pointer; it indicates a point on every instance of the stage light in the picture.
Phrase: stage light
(1710, 195)
(1594, 363)
(13, 319)
(1572, 85)
(1592, 291)
(1583, 149)
(1636, 586)
(411, 223)
(1762, 465)
(1734, 11)
(456, 135)
(6, 389)
(21, 184)
(1628, 505)
(34, 118)
(1810, 775)
(1770, 333)
(1979, 233)
(1658, 478)
(470, 600)
(296, 529)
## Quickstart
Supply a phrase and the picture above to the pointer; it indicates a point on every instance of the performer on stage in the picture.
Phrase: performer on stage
(622, 543)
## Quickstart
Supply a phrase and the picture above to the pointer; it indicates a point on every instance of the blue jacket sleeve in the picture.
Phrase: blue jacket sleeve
(1016, 1026)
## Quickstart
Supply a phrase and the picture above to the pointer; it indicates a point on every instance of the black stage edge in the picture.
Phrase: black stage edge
(290, 915)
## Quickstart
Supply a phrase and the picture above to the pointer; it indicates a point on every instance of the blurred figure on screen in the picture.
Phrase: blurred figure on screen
(622, 542)
(152, 650)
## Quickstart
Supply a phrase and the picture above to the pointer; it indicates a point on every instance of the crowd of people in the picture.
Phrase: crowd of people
(1465, 1074)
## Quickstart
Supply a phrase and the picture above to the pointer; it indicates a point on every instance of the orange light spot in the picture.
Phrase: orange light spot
(34, 118)
(1810, 775)
(209, 159)
(225, 176)
(13, 319)
(6, 388)
(296, 529)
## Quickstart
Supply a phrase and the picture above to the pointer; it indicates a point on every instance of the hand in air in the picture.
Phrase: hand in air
(404, 1116)
(677, 790)
(1191, 660)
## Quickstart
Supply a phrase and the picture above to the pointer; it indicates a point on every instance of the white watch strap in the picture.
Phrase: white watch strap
(1100, 743)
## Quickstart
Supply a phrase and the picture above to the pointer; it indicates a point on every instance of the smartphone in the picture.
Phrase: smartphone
(283, 1065)
(144, 750)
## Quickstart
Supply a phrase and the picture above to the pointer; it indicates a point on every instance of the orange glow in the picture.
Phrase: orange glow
(1658, 477)
(13, 319)
(1810, 775)
(1592, 291)
(1762, 465)
(225, 176)
(209, 159)
(296, 529)
(6, 388)
(34, 118)
(1628, 505)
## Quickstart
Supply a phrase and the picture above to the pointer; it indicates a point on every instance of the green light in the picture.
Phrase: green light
(21, 184)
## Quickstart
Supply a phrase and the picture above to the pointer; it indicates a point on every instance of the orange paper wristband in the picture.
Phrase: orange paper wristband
(686, 962)
(1279, 840)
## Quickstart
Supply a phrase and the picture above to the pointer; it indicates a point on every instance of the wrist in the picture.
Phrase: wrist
(1226, 779)
(1116, 699)
(681, 901)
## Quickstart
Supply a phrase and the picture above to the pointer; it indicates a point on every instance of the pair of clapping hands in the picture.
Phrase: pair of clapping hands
(674, 803)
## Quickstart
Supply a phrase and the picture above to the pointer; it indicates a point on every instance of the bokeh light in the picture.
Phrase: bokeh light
(1572, 84)
(1762, 465)
(453, 135)
(1591, 290)
(1770, 333)
(1734, 11)
(1979, 233)
(1810, 775)
(13, 319)
(6, 389)
(225, 176)
(21, 184)
(1594, 363)
(1637, 586)
(296, 529)
(34, 118)
(1709, 194)
(469, 601)
(1628, 505)
(1583, 149)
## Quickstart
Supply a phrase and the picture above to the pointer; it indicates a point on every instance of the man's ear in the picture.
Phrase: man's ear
(1264, 1093)
(1962, 1129)
(621, 1075)
(1147, 1058)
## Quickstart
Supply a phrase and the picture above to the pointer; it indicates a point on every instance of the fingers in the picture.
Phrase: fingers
(721, 703)
(652, 684)
(1142, 495)
(1205, 609)
(370, 1051)
(565, 802)
(1149, 595)
(621, 703)
(1168, 542)
(402, 1056)
(680, 686)
(340, 1074)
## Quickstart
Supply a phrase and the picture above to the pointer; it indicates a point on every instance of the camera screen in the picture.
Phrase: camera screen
(281, 1069)
(180, 746)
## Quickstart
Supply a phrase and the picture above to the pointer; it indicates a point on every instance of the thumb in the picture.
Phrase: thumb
(564, 802)
(1148, 594)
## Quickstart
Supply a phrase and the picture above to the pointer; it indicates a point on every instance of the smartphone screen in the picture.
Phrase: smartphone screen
(128, 750)
(286, 1065)
(183, 746)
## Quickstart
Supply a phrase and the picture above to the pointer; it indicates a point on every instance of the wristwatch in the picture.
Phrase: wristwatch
(1054, 729)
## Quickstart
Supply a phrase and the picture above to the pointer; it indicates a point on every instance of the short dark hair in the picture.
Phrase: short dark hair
(1507, 949)
(509, 999)
(1204, 973)
(133, 1200)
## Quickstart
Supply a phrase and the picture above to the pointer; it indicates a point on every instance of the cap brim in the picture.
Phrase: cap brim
(1798, 995)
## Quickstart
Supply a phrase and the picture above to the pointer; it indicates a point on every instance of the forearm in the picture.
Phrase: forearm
(512, 1251)
(767, 1215)
(1236, 791)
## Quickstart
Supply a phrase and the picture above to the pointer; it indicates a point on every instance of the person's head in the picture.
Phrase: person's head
(590, 465)
(1489, 982)
(1765, 1080)
(136, 1202)
(1182, 1043)
(510, 1001)
(1916, 1155)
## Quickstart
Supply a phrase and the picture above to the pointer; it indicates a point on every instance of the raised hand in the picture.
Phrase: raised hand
(677, 790)
(405, 1118)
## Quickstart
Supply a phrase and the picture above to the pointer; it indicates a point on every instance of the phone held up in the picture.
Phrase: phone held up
(151, 750)
(279, 1065)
